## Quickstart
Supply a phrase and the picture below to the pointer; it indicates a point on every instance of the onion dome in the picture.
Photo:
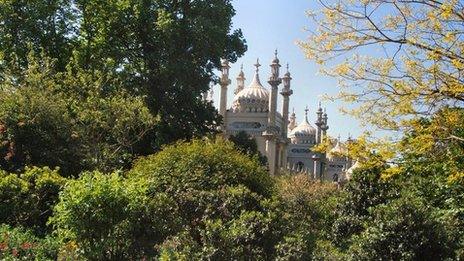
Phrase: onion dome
(349, 172)
(276, 60)
(304, 133)
(254, 98)
(292, 122)
(337, 152)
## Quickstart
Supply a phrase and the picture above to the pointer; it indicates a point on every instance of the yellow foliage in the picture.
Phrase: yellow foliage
(419, 75)
(392, 172)
(457, 177)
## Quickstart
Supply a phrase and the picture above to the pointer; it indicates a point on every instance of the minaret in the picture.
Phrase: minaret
(286, 93)
(240, 81)
(272, 131)
(224, 82)
(274, 81)
(292, 122)
(306, 113)
(319, 123)
(324, 126)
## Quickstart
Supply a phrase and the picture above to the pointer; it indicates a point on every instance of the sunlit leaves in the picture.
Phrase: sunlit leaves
(405, 64)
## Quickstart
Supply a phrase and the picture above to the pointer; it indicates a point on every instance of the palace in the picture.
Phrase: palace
(286, 144)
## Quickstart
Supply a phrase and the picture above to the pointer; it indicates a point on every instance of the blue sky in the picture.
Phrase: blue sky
(271, 24)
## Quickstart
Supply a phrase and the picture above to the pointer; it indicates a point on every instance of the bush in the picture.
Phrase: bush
(178, 195)
(22, 244)
(402, 230)
(307, 209)
(27, 199)
(109, 218)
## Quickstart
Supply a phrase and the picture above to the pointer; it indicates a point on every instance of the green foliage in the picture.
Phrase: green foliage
(110, 218)
(247, 144)
(306, 213)
(21, 244)
(402, 230)
(78, 120)
(165, 51)
(27, 199)
(403, 218)
(202, 165)
(365, 190)
(37, 25)
(197, 193)
(249, 236)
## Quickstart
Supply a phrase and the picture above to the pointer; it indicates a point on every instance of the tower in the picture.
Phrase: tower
(324, 126)
(272, 131)
(286, 93)
(224, 82)
(319, 122)
(292, 121)
(240, 81)
(274, 81)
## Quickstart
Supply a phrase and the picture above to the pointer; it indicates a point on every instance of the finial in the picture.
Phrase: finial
(293, 109)
(257, 65)
(287, 67)
(241, 67)
(320, 104)
(275, 53)
(306, 113)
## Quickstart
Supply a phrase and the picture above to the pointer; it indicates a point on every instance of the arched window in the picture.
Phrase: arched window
(335, 177)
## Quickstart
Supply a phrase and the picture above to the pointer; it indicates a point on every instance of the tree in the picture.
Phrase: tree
(35, 26)
(164, 51)
(406, 56)
(76, 120)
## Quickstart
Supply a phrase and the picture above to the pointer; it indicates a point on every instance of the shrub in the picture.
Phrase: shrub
(401, 230)
(196, 193)
(27, 199)
(22, 244)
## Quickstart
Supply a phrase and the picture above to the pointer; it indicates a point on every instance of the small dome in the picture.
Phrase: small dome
(349, 172)
(254, 98)
(303, 133)
(337, 152)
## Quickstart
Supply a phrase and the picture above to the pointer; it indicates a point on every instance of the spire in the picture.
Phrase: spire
(240, 81)
(256, 82)
(286, 80)
(319, 110)
(257, 65)
(324, 118)
(292, 121)
(276, 60)
(306, 114)
(275, 65)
